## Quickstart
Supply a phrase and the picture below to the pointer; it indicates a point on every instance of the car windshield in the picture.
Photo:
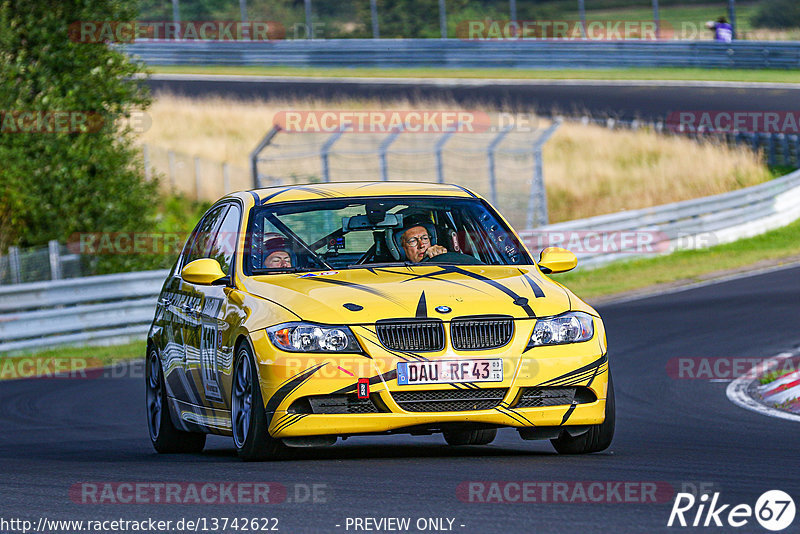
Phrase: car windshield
(365, 232)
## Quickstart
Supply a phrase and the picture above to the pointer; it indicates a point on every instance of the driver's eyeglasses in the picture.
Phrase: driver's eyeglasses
(412, 241)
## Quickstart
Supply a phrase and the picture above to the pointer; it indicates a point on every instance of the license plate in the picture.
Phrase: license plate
(449, 371)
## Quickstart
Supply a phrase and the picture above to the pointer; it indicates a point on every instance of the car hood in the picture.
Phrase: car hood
(359, 296)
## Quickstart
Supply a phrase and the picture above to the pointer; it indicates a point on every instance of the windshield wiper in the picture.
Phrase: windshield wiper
(283, 270)
(388, 264)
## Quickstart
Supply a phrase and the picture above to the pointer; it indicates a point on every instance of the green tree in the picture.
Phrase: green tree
(54, 185)
(777, 14)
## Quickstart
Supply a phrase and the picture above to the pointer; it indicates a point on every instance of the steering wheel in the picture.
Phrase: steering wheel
(456, 258)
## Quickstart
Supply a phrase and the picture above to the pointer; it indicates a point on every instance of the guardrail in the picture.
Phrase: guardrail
(108, 309)
(117, 308)
(455, 53)
(692, 223)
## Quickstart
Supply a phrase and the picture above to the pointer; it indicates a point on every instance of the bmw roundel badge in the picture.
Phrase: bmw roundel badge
(443, 309)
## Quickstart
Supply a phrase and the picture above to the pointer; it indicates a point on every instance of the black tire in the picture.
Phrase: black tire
(598, 438)
(165, 437)
(248, 418)
(470, 437)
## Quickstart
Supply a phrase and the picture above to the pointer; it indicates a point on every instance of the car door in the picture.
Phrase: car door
(212, 344)
(174, 304)
(191, 300)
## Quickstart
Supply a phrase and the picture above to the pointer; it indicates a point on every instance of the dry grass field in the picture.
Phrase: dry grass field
(589, 170)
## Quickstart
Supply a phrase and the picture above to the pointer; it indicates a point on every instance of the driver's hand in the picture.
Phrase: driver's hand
(435, 250)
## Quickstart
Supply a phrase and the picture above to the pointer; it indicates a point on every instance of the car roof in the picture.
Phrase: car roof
(320, 191)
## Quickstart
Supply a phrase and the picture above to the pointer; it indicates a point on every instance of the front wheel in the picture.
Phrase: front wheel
(597, 438)
(248, 418)
(166, 438)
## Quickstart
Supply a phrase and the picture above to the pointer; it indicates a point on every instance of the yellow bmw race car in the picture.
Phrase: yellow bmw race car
(297, 315)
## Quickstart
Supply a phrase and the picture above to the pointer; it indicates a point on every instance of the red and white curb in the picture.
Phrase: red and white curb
(738, 390)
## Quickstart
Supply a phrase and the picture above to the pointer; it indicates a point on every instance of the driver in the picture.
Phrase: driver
(417, 244)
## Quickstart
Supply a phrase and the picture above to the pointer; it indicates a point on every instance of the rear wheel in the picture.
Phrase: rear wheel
(470, 437)
(248, 418)
(166, 438)
(597, 438)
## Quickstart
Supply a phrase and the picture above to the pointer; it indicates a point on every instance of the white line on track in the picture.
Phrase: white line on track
(737, 390)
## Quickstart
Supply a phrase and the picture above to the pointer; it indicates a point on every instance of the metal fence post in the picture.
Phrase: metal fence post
(657, 19)
(439, 147)
(325, 152)
(443, 19)
(582, 16)
(146, 157)
(13, 264)
(55, 259)
(309, 26)
(197, 177)
(171, 159)
(373, 7)
(246, 33)
(490, 153)
(383, 149)
(732, 17)
(538, 196)
(255, 153)
(226, 178)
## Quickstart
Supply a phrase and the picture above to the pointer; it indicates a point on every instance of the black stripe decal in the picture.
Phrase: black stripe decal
(569, 412)
(432, 276)
(597, 363)
(360, 287)
(287, 388)
(422, 307)
(537, 291)
(494, 283)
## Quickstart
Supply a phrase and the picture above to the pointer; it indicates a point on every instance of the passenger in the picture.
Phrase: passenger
(276, 251)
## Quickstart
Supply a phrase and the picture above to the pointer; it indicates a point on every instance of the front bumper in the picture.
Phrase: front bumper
(286, 377)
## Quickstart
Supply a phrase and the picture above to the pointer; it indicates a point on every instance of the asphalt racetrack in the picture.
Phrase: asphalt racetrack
(626, 100)
(677, 433)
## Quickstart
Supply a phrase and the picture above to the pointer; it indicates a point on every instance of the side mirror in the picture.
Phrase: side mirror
(557, 260)
(204, 271)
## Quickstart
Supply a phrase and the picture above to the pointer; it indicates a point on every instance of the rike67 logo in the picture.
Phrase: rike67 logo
(774, 510)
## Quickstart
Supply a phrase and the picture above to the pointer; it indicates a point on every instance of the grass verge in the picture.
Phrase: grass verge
(665, 73)
(686, 266)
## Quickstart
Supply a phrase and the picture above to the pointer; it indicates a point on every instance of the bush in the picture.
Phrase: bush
(55, 185)
(777, 14)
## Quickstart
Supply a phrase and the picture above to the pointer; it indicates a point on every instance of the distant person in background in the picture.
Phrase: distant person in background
(723, 31)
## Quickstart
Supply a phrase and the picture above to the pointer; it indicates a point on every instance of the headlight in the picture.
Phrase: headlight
(570, 327)
(309, 337)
